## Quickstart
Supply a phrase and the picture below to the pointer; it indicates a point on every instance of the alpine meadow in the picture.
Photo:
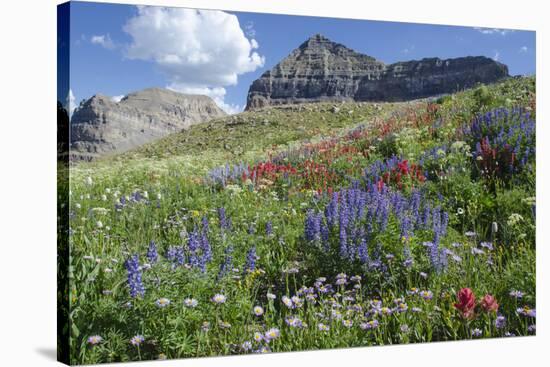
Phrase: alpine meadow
(309, 220)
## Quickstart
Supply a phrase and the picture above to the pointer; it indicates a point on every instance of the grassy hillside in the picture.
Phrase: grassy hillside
(253, 134)
(257, 130)
(311, 227)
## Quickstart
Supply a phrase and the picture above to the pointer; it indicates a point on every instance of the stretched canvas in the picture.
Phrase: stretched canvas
(234, 183)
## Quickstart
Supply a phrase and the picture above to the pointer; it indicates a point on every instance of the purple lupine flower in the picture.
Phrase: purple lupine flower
(343, 210)
(360, 212)
(224, 222)
(317, 226)
(436, 220)
(444, 224)
(363, 252)
(435, 257)
(206, 249)
(269, 228)
(179, 255)
(227, 264)
(171, 253)
(500, 322)
(415, 203)
(405, 227)
(343, 243)
(152, 254)
(426, 216)
(228, 173)
(352, 247)
(343, 223)
(194, 245)
(331, 211)
(251, 259)
(310, 226)
(443, 260)
(325, 236)
(384, 216)
(135, 282)
(205, 223)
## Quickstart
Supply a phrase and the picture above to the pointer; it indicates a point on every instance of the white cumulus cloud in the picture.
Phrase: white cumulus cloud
(117, 98)
(216, 93)
(502, 32)
(523, 49)
(249, 29)
(70, 104)
(198, 50)
(103, 40)
(496, 55)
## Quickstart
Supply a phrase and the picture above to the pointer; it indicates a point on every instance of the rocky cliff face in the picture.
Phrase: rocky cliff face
(101, 126)
(322, 70)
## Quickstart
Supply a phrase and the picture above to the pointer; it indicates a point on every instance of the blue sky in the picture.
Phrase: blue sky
(117, 49)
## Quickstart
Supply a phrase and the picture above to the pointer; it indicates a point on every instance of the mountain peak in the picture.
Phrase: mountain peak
(318, 37)
(323, 70)
(101, 126)
(316, 40)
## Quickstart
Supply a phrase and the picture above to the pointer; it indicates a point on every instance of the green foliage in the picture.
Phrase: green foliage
(160, 193)
(482, 97)
(444, 99)
(388, 146)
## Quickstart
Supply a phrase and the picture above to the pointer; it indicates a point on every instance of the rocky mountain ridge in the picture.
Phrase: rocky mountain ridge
(101, 126)
(322, 70)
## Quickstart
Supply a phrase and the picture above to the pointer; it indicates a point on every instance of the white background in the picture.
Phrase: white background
(28, 182)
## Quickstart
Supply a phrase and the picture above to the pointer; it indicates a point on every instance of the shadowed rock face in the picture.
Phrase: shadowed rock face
(322, 70)
(62, 133)
(101, 126)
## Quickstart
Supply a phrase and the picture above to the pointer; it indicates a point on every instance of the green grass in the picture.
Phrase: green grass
(175, 195)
